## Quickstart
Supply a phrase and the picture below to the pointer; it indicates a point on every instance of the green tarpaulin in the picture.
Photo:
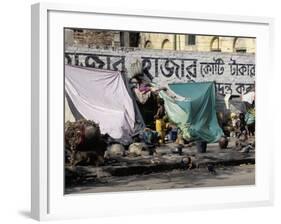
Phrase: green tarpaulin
(195, 115)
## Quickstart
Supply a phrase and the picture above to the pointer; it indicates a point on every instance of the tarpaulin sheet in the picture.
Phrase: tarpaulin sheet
(101, 96)
(249, 97)
(250, 116)
(195, 115)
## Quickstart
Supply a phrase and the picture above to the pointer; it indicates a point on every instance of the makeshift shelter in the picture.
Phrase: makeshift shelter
(229, 104)
(195, 113)
(102, 96)
(249, 100)
(105, 97)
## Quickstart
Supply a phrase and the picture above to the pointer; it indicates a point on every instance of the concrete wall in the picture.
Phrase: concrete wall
(234, 73)
(88, 37)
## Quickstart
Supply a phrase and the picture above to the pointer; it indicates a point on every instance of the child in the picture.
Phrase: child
(159, 121)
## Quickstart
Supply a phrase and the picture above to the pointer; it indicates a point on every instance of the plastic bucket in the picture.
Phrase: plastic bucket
(174, 134)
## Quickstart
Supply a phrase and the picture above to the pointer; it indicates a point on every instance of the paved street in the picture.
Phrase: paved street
(166, 171)
(201, 177)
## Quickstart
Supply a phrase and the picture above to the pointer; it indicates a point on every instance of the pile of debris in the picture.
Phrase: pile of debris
(84, 143)
(86, 146)
(244, 144)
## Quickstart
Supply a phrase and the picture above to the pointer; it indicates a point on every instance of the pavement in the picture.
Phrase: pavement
(174, 179)
(164, 160)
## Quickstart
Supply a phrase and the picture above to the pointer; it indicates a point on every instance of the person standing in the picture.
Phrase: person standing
(159, 121)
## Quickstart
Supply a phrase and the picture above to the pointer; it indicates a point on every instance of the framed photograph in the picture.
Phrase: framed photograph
(148, 111)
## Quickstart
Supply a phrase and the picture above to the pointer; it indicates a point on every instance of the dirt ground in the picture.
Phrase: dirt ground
(224, 176)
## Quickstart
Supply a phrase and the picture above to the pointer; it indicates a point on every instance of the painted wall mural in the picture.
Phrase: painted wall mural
(234, 73)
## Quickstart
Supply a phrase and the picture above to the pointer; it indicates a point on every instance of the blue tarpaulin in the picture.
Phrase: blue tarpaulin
(195, 114)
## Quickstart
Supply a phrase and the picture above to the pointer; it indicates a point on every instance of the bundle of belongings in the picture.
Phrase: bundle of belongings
(250, 116)
(84, 144)
(237, 114)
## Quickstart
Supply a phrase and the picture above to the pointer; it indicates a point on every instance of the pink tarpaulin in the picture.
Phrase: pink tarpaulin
(101, 96)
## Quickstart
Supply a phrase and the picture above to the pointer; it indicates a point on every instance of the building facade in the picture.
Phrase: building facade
(101, 38)
(191, 42)
(167, 58)
(160, 41)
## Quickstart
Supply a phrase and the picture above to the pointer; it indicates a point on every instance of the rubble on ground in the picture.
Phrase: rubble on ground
(223, 142)
(136, 149)
(84, 144)
(114, 150)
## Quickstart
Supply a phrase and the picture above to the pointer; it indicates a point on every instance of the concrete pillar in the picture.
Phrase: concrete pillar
(68, 37)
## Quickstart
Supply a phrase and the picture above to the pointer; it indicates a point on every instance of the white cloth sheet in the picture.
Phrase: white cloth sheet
(101, 96)
(249, 97)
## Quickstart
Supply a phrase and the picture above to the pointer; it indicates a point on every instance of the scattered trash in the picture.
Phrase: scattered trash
(86, 158)
(246, 149)
(223, 142)
(178, 149)
(243, 137)
(149, 137)
(136, 149)
(114, 150)
(155, 161)
(243, 144)
(187, 163)
(211, 169)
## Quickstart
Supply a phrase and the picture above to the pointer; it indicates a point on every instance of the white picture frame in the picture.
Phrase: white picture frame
(48, 201)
